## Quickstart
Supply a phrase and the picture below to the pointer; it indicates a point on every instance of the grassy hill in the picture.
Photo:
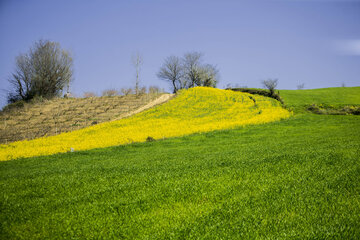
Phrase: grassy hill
(296, 178)
(195, 110)
(52, 117)
(338, 97)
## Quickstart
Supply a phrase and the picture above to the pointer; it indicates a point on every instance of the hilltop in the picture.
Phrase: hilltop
(200, 109)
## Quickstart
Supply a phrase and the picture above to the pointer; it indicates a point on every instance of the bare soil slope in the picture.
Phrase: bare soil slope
(55, 116)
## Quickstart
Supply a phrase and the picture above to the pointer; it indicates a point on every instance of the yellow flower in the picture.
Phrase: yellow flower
(194, 110)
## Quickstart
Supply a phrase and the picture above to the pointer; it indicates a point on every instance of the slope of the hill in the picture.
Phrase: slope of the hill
(292, 179)
(340, 96)
(195, 110)
(51, 117)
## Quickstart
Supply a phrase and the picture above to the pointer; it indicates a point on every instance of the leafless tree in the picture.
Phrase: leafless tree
(172, 71)
(154, 90)
(44, 72)
(192, 62)
(208, 76)
(126, 91)
(301, 86)
(89, 94)
(188, 72)
(110, 92)
(137, 61)
(270, 84)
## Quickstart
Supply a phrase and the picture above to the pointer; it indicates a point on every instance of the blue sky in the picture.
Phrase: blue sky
(315, 42)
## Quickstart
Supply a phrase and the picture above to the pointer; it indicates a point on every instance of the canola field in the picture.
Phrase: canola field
(194, 110)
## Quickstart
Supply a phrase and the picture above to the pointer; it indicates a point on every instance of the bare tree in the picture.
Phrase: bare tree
(44, 71)
(208, 76)
(188, 72)
(137, 61)
(271, 85)
(301, 86)
(192, 62)
(172, 71)
(126, 91)
(110, 92)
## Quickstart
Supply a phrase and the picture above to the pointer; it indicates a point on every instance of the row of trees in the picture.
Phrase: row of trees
(188, 71)
(47, 70)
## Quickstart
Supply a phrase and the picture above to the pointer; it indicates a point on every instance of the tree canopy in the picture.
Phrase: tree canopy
(45, 71)
(188, 71)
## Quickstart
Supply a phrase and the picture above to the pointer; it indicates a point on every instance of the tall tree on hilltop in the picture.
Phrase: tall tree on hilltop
(188, 72)
(172, 71)
(44, 71)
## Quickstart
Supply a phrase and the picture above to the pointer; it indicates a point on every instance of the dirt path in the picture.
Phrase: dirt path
(163, 98)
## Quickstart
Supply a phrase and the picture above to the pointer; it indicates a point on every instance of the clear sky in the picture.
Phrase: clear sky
(315, 42)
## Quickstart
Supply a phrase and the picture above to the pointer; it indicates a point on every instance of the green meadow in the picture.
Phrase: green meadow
(337, 97)
(298, 178)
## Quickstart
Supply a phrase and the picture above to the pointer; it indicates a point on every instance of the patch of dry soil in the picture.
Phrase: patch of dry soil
(162, 99)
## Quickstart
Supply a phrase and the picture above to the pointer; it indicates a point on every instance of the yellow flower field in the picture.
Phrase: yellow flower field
(195, 110)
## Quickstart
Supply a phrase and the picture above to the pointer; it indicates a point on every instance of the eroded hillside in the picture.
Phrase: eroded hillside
(52, 117)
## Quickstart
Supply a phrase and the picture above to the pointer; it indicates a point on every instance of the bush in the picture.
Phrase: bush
(126, 91)
(150, 139)
(16, 105)
(89, 94)
(271, 85)
(110, 93)
(332, 110)
(142, 91)
(259, 92)
(154, 90)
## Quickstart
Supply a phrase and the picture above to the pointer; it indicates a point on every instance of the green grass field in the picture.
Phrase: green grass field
(298, 178)
(338, 97)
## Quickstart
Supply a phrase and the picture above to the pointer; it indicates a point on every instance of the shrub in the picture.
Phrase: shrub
(142, 91)
(271, 85)
(259, 92)
(16, 105)
(109, 93)
(150, 139)
(331, 110)
(89, 94)
(154, 90)
(126, 91)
